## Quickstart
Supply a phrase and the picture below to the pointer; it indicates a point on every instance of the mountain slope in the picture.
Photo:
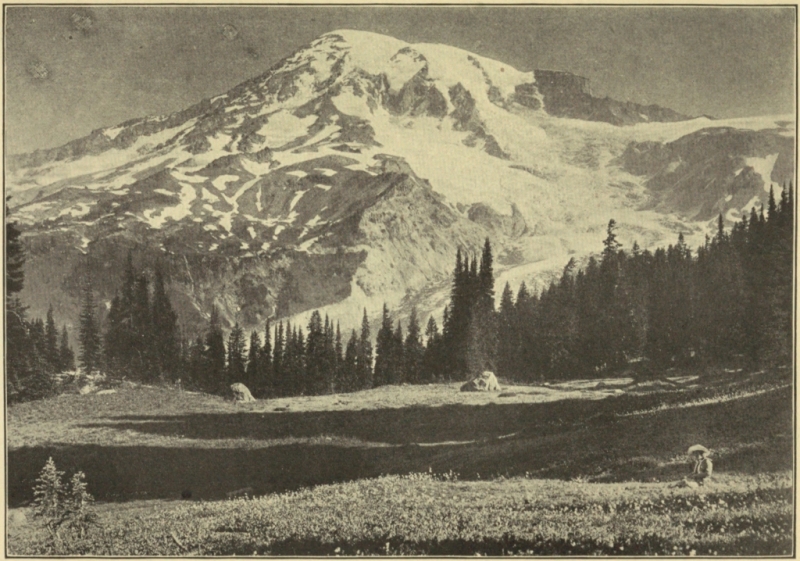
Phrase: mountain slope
(349, 173)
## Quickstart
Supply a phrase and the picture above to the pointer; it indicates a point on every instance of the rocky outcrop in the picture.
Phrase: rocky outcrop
(419, 96)
(707, 172)
(486, 382)
(241, 394)
(511, 227)
(466, 118)
(568, 95)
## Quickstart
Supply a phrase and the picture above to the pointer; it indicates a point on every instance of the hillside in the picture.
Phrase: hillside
(349, 173)
(613, 444)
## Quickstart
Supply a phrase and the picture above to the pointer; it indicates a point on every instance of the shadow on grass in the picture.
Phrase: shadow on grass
(645, 545)
(564, 439)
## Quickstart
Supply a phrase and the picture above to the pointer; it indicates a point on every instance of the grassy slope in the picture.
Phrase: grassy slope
(154, 443)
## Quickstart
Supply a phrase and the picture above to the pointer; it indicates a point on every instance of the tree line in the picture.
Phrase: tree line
(729, 301)
(35, 350)
(140, 340)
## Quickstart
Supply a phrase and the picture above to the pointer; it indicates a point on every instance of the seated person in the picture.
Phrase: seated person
(703, 467)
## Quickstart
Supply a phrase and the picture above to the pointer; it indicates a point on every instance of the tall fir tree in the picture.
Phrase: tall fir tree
(456, 329)
(143, 334)
(364, 363)
(51, 341)
(315, 381)
(165, 336)
(66, 357)
(89, 334)
(213, 377)
(350, 380)
(383, 350)
(506, 335)
(253, 369)
(397, 357)
(266, 382)
(236, 359)
(432, 362)
(278, 350)
(18, 355)
(482, 329)
(414, 351)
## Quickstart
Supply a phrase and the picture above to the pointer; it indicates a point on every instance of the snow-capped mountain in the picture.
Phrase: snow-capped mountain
(349, 174)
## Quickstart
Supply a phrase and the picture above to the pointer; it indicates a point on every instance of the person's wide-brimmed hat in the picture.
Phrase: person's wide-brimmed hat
(697, 448)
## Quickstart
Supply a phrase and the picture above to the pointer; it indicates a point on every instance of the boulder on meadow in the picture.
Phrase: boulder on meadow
(241, 393)
(486, 382)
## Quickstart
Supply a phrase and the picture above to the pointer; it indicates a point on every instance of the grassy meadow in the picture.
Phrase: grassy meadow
(577, 468)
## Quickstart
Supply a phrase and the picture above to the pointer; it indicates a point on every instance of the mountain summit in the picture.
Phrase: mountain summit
(349, 173)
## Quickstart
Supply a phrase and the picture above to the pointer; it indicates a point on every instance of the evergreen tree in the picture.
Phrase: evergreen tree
(507, 335)
(290, 364)
(253, 369)
(396, 357)
(315, 380)
(432, 363)
(18, 357)
(120, 343)
(15, 258)
(456, 329)
(610, 245)
(164, 337)
(196, 365)
(414, 351)
(236, 356)
(329, 363)
(482, 331)
(213, 377)
(772, 212)
(113, 346)
(299, 361)
(350, 380)
(383, 350)
(143, 334)
(51, 341)
(486, 277)
(365, 374)
(279, 383)
(66, 358)
(89, 334)
(340, 376)
(266, 381)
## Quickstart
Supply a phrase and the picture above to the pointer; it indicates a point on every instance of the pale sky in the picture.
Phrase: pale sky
(70, 70)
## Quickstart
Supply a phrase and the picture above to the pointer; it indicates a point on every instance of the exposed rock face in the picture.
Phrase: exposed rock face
(486, 382)
(567, 95)
(712, 171)
(512, 226)
(241, 394)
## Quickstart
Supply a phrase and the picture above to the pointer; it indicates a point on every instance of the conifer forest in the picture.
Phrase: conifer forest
(728, 302)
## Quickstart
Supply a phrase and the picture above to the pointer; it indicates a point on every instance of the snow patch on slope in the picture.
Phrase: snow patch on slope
(763, 167)
(157, 217)
(283, 127)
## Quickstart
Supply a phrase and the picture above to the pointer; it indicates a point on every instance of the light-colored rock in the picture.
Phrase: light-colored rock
(241, 393)
(87, 389)
(106, 392)
(486, 382)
